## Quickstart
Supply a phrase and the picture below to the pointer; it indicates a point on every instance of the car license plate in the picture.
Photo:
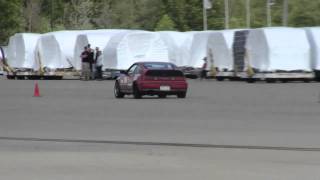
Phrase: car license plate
(165, 88)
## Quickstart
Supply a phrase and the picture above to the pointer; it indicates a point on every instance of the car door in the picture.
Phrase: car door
(128, 79)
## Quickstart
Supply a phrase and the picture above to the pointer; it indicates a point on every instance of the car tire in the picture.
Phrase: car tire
(117, 91)
(162, 96)
(136, 92)
(220, 78)
(182, 95)
(251, 80)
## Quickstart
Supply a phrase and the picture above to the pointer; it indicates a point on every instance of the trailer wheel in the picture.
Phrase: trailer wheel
(21, 77)
(271, 80)
(251, 80)
(11, 77)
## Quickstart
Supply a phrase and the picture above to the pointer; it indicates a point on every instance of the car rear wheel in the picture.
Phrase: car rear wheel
(182, 95)
(162, 96)
(136, 92)
(117, 91)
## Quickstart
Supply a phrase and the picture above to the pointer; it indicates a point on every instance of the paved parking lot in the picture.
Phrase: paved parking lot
(157, 138)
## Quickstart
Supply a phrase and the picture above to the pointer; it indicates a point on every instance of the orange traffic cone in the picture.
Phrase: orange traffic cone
(36, 90)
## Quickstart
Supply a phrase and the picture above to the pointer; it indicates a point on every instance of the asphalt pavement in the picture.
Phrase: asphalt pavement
(225, 130)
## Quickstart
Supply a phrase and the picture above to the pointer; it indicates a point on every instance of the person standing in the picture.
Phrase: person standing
(85, 73)
(204, 69)
(98, 63)
(91, 61)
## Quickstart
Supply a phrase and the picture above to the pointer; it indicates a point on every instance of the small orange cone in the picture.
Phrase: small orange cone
(36, 90)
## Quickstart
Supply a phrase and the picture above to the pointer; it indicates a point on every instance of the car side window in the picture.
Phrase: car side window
(137, 70)
(131, 70)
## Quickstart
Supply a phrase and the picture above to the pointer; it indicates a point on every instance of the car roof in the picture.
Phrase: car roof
(153, 62)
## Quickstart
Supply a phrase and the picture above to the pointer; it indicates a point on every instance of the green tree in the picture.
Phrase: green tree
(165, 24)
(304, 13)
(216, 15)
(78, 14)
(34, 21)
(182, 15)
(10, 19)
(53, 11)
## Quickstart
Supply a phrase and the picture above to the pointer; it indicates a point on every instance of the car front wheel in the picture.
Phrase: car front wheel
(117, 91)
(136, 92)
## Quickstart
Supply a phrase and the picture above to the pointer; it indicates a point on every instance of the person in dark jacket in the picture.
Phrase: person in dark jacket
(204, 69)
(85, 73)
(91, 61)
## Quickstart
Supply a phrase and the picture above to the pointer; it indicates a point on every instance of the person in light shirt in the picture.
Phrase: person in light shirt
(98, 63)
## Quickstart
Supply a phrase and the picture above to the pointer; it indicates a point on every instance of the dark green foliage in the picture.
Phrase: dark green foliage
(165, 24)
(10, 19)
(182, 15)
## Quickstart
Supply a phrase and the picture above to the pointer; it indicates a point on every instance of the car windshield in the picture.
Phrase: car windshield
(159, 66)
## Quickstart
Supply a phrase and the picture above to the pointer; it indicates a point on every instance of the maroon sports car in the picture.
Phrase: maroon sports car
(151, 78)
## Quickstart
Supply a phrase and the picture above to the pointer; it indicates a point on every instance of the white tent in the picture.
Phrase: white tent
(219, 50)
(175, 42)
(186, 48)
(56, 49)
(49, 53)
(95, 39)
(198, 49)
(314, 39)
(21, 51)
(272, 49)
(126, 48)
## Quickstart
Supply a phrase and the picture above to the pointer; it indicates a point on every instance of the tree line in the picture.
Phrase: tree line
(40, 16)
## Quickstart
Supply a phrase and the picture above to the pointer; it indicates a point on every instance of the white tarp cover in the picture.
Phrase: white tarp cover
(219, 50)
(124, 49)
(95, 39)
(21, 50)
(314, 39)
(272, 49)
(175, 42)
(56, 49)
(186, 48)
(198, 49)
(49, 53)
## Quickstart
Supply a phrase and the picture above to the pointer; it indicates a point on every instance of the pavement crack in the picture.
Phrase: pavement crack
(145, 143)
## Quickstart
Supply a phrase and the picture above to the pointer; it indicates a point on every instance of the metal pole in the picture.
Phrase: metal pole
(269, 19)
(285, 13)
(226, 10)
(248, 10)
(205, 17)
(51, 18)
